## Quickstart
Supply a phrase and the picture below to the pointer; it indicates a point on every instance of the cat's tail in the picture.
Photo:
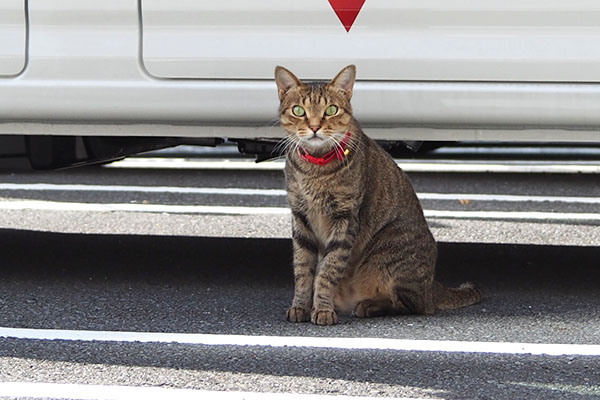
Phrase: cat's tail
(451, 298)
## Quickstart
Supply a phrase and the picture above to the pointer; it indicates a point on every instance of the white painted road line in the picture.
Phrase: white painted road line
(512, 215)
(534, 151)
(443, 346)
(50, 187)
(132, 207)
(232, 210)
(181, 163)
(96, 392)
(408, 166)
(508, 198)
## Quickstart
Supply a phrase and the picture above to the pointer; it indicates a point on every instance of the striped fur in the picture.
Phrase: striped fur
(361, 243)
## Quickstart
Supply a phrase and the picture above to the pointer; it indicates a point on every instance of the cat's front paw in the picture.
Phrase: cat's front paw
(298, 314)
(324, 317)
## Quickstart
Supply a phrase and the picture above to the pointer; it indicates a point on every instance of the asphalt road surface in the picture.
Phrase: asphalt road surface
(170, 278)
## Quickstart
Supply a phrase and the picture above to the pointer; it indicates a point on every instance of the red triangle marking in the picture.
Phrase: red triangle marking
(347, 11)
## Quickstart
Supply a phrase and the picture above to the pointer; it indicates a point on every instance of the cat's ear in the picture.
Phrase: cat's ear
(345, 80)
(285, 81)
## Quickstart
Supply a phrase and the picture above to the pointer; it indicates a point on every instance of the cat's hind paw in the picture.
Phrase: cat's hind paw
(324, 317)
(373, 308)
(298, 314)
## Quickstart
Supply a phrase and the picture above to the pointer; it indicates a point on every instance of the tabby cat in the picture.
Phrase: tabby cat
(360, 241)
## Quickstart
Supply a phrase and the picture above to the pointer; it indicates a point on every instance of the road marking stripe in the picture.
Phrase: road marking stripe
(97, 392)
(445, 346)
(509, 198)
(181, 163)
(430, 166)
(150, 208)
(232, 210)
(142, 189)
(475, 149)
(279, 192)
(512, 215)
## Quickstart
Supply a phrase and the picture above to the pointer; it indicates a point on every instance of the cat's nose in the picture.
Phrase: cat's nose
(315, 128)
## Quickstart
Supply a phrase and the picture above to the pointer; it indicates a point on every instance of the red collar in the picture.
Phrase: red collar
(337, 153)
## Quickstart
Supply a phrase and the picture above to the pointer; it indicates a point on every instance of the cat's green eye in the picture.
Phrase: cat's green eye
(298, 111)
(331, 110)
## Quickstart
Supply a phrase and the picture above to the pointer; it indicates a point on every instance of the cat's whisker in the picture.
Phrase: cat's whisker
(296, 146)
(281, 146)
(337, 144)
(354, 146)
(285, 144)
(346, 159)
(271, 124)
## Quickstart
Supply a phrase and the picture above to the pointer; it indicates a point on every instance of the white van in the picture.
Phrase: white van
(86, 80)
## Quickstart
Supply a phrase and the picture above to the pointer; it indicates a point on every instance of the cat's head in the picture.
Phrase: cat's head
(315, 115)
